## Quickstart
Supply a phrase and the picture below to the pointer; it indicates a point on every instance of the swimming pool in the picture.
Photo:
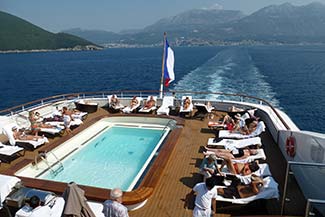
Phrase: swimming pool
(114, 152)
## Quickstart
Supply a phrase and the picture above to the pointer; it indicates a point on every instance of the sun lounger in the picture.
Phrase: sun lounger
(9, 152)
(151, 109)
(7, 183)
(116, 107)
(128, 109)
(236, 135)
(269, 191)
(202, 110)
(260, 155)
(167, 102)
(27, 144)
(189, 110)
(234, 143)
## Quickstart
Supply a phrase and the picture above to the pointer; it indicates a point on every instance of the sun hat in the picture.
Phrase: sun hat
(212, 157)
(237, 116)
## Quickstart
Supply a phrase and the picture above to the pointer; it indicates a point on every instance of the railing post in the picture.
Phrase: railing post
(307, 208)
(285, 187)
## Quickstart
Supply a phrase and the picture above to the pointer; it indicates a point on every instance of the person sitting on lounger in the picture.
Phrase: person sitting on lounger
(237, 154)
(208, 166)
(67, 118)
(35, 125)
(150, 103)
(115, 102)
(38, 210)
(186, 103)
(134, 102)
(21, 135)
(249, 127)
(239, 190)
(243, 169)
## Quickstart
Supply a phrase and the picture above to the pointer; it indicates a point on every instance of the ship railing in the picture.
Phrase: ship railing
(102, 95)
(308, 177)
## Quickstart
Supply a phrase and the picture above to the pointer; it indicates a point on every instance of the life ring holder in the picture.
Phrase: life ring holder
(291, 146)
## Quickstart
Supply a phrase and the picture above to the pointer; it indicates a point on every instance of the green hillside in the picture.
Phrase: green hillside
(18, 34)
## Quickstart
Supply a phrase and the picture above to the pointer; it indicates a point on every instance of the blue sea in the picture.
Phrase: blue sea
(290, 77)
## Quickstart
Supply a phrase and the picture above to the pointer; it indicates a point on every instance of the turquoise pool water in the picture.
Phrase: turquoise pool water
(115, 158)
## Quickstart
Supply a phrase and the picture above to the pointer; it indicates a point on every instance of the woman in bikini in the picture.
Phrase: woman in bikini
(243, 169)
(133, 102)
(237, 154)
(35, 125)
(239, 190)
(150, 103)
(20, 135)
(187, 103)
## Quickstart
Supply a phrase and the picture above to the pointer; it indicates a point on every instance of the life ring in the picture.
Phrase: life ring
(290, 146)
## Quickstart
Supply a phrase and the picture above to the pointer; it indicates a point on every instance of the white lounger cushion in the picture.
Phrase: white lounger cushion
(53, 131)
(235, 143)
(228, 134)
(57, 209)
(35, 143)
(208, 110)
(9, 150)
(6, 185)
(269, 191)
(164, 108)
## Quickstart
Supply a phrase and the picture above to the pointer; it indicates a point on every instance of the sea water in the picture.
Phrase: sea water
(290, 77)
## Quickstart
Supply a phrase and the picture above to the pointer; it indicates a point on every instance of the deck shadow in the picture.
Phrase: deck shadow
(191, 181)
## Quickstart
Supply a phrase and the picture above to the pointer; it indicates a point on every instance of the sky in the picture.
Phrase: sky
(117, 15)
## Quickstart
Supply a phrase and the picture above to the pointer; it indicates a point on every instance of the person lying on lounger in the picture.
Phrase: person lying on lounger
(21, 135)
(240, 153)
(243, 169)
(239, 190)
(150, 103)
(35, 125)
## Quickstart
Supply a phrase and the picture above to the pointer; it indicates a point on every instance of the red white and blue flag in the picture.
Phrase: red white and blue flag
(169, 64)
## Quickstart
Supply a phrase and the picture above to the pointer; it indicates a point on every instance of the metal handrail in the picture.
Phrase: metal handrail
(289, 163)
(103, 93)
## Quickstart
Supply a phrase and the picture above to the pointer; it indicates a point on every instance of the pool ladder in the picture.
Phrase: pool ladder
(43, 156)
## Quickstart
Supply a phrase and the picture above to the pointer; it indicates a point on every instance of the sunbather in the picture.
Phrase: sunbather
(150, 103)
(240, 153)
(21, 135)
(186, 103)
(134, 102)
(115, 102)
(35, 125)
(67, 118)
(239, 190)
(239, 168)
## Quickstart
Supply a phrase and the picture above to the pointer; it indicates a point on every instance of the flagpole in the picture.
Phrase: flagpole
(163, 68)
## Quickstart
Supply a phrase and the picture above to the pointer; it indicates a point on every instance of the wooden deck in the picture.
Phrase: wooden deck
(179, 175)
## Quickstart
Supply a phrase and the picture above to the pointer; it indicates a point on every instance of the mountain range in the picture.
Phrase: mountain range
(283, 23)
(18, 34)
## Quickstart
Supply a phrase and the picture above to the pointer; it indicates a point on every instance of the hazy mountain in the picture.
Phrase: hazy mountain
(283, 23)
(96, 36)
(18, 34)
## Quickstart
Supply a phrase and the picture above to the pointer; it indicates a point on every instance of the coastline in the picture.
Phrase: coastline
(76, 48)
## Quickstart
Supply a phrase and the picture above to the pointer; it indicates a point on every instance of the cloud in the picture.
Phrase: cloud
(216, 6)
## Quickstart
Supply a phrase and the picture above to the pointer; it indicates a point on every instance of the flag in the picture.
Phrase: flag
(169, 64)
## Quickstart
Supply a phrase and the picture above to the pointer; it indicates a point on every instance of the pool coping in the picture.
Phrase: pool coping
(136, 196)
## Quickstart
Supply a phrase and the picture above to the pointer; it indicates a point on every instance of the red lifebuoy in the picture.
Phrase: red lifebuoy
(290, 146)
